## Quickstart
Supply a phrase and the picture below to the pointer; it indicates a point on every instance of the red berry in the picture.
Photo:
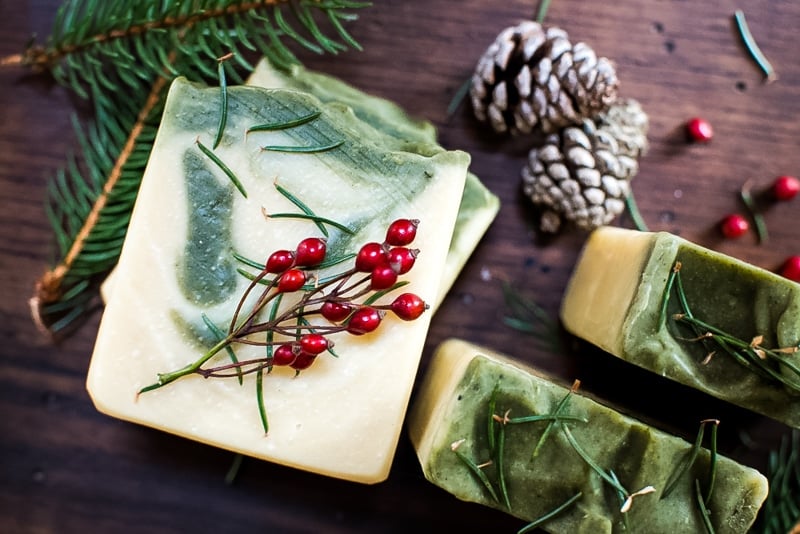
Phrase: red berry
(279, 261)
(383, 277)
(734, 226)
(284, 355)
(791, 268)
(402, 232)
(363, 320)
(402, 259)
(699, 130)
(291, 280)
(303, 361)
(314, 343)
(310, 251)
(408, 306)
(785, 187)
(335, 311)
(370, 256)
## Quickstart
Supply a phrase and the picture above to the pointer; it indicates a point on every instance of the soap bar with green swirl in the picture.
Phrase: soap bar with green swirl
(615, 300)
(179, 271)
(531, 469)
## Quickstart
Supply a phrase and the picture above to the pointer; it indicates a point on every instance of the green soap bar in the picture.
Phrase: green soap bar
(479, 206)
(614, 300)
(449, 421)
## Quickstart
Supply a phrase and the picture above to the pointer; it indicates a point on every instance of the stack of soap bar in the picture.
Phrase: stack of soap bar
(478, 207)
(177, 270)
(614, 301)
(450, 415)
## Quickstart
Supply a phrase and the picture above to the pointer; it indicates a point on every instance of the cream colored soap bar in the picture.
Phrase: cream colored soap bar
(343, 416)
(615, 299)
(450, 417)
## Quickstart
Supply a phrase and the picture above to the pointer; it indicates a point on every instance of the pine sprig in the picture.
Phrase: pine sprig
(136, 37)
(121, 56)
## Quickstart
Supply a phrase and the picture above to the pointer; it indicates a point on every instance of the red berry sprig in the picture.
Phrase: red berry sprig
(345, 303)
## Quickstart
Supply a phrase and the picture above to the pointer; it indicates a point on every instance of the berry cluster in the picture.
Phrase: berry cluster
(347, 302)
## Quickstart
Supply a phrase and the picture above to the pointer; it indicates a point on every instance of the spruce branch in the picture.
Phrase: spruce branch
(88, 34)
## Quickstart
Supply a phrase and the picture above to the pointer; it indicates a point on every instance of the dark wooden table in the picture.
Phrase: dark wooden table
(66, 468)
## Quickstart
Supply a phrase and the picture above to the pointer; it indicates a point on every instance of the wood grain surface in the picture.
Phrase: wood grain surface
(66, 468)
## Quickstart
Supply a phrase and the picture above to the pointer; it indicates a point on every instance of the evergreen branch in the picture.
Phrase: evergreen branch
(134, 37)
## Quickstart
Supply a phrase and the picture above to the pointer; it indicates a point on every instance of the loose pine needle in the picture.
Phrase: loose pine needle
(551, 514)
(633, 211)
(223, 87)
(272, 126)
(474, 468)
(224, 168)
(302, 149)
(752, 47)
(233, 470)
(542, 12)
(755, 213)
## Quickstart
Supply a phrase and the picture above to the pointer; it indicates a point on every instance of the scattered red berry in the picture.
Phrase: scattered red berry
(314, 343)
(401, 232)
(284, 355)
(364, 320)
(791, 268)
(310, 252)
(335, 311)
(408, 306)
(734, 226)
(402, 259)
(303, 361)
(291, 280)
(279, 261)
(785, 187)
(699, 130)
(383, 277)
(370, 256)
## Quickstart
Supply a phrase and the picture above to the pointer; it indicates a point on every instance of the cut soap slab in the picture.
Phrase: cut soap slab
(343, 416)
(451, 410)
(478, 207)
(614, 300)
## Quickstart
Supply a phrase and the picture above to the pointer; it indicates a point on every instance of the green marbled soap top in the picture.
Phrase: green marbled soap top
(374, 174)
(731, 295)
(638, 455)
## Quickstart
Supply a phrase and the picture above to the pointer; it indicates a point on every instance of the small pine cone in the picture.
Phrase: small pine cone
(582, 173)
(533, 76)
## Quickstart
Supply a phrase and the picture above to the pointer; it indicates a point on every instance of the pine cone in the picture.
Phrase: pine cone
(534, 77)
(582, 174)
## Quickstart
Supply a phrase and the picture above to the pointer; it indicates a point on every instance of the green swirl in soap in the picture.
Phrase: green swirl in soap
(206, 273)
